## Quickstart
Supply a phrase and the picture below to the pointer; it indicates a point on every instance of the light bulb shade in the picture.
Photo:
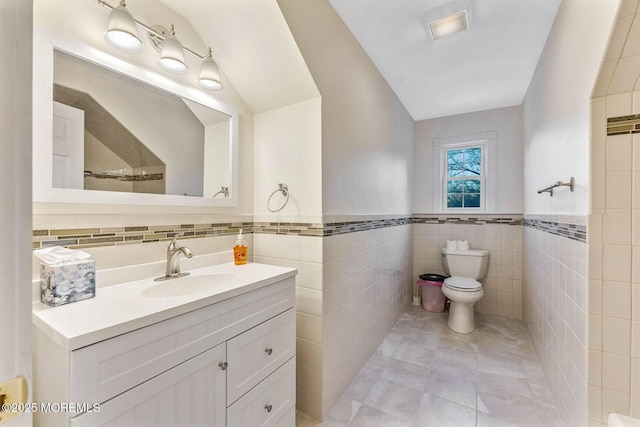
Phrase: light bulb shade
(209, 75)
(122, 32)
(172, 56)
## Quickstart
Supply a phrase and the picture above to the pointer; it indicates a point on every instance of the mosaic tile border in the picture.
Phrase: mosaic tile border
(571, 231)
(112, 236)
(335, 228)
(469, 220)
(125, 177)
(623, 125)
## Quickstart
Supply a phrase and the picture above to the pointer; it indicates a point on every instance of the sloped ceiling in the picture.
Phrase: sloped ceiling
(253, 45)
(488, 66)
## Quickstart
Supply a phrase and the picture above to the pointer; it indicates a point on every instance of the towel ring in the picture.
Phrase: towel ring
(285, 192)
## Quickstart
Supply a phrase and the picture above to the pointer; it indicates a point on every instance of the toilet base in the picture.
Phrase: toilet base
(461, 317)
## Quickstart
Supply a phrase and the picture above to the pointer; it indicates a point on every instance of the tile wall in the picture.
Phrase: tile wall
(614, 260)
(614, 227)
(351, 287)
(120, 241)
(502, 236)
(555, 288)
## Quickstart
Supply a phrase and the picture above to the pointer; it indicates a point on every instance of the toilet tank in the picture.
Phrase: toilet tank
(472, 263)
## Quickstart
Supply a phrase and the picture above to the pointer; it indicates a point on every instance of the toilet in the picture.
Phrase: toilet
(465, 267)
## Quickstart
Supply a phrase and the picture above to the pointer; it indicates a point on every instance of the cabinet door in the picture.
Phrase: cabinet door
(269, 404)
(108, 368)
(258, 352)
(191, 394)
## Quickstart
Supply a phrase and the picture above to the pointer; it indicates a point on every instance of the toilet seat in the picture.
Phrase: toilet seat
(462, 284)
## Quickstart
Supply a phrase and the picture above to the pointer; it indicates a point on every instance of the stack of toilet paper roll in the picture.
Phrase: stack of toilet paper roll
(459, 245)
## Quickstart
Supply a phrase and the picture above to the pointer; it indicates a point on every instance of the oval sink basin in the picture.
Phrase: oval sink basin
(188, 285)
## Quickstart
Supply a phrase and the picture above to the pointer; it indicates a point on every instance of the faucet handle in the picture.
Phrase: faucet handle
(173, 245)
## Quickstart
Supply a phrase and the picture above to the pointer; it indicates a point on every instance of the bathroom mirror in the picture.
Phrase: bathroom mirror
(108, 132)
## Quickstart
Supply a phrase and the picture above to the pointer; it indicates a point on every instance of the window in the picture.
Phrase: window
(464, 180)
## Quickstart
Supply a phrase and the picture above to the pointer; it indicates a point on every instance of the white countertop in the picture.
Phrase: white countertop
(119, 309)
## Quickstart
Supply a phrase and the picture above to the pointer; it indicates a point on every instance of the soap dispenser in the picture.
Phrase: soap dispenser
(240, 250)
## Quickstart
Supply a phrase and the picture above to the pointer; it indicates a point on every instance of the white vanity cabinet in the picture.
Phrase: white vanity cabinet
(231, 363)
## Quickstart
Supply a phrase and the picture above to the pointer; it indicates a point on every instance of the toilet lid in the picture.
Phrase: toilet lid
(464, 284)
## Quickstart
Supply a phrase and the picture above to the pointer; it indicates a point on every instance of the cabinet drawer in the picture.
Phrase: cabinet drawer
(105, 369)
(269, 403)
(255, 354)
(191, 394)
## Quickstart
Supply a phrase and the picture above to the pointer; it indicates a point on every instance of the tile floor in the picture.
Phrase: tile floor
(423, 374)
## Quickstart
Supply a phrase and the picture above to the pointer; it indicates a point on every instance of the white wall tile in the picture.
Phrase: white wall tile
(310, 275)
(618, 38)
(619, 105)
(615, 401)
(618, 190)
(616, 336)
(616, 263)
(599, 116)
(311, 249)
(595, 333)
(291, 247)
(617, 299)
(616, 372)
(618, 153)
(598, 187)
(635, 376)
(310, 301)
(626, 74)
(595, 368)
(635, 338)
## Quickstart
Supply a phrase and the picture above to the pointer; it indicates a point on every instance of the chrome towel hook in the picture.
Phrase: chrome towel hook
(285, 192)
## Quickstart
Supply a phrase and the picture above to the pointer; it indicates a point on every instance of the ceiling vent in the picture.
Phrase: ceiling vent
(448, 19)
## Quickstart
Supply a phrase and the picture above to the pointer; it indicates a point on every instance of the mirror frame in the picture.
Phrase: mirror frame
(44, 44)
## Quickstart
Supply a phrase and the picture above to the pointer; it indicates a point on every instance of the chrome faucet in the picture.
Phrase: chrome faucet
(173, 259)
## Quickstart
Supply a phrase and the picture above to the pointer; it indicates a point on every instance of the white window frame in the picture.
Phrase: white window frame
(487, 142)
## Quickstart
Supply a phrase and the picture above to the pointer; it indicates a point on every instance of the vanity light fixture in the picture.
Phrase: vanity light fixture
(209, 74)
(448, 19)
(123, 35)
(172, 54)
(122, 32)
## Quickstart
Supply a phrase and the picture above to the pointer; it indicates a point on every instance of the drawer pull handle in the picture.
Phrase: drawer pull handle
(268, 350)
(268, 408)
(223, 365)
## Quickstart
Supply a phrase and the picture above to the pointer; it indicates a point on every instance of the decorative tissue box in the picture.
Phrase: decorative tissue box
(69, 282)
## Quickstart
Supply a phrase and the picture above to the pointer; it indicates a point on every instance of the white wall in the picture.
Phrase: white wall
(556, 128)
(556, 107)
(506, 122)
(287, 150)
(15, 193)
(367, 134)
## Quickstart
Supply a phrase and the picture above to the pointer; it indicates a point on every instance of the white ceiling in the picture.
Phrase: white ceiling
(254, 48)
(488, 66)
